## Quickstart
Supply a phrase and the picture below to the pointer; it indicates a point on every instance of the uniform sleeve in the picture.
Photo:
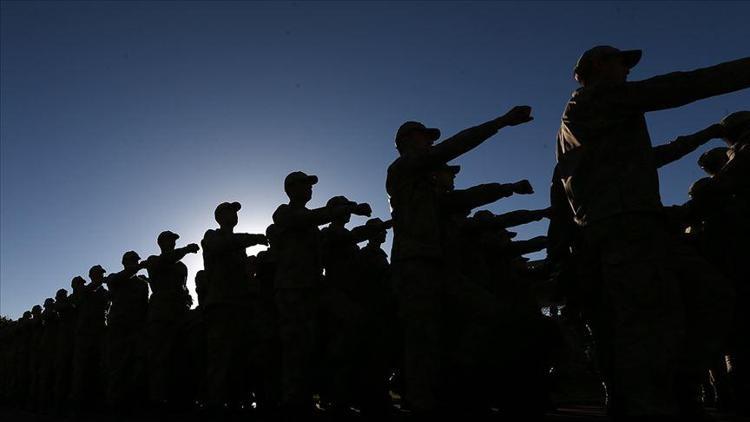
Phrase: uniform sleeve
(680, 88)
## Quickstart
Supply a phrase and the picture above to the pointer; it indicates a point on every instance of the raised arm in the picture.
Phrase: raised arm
(468, 199)
(303, 217)
(684, 145)
(217, 243)
(680, 88)
(519, 217)
(468, 139)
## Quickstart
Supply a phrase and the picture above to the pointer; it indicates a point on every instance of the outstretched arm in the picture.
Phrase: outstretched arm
(471, 138)
(684, 145)
(680, 88)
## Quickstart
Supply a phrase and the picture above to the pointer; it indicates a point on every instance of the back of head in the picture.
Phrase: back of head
(737, 127)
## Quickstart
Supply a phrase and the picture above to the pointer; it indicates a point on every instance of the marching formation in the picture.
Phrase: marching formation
(651, 298)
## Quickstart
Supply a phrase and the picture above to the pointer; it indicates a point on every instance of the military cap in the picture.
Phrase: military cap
(226, 207)
(298, 178)
(166, 236)
(80, 281)
(411, 126)
(62, 293)
(376, 222)
(97, 269)
(130, 256)
(629, 57)
(49, 302)
(736, 121)
(339, 201)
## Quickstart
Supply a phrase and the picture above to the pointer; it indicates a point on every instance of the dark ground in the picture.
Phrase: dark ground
(564, 414)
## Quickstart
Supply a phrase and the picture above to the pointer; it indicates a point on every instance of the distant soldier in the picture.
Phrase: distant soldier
(607, 174)
(126, 324)
(67, 310)
(47, 351)
(36, 329)
(266, 327)
(168, 307)
(418, 257)
(226, 307)
(298, 285)
(380, 339)
(87, 383)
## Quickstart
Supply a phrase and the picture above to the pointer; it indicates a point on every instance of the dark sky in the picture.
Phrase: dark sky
(123, 119)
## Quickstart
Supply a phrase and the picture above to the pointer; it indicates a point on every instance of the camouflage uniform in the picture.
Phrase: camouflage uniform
(168, 307)
(87, 380)
(418, 258)
(226, 311)
(126, 323)
(631, 280)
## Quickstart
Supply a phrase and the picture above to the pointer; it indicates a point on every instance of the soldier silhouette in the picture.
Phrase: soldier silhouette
(126, 324)
(298, 285)
(168, 306)
(606, 172)
(226, 307)
(417, 254)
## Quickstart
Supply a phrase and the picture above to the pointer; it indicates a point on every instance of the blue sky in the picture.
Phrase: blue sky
(122, 119)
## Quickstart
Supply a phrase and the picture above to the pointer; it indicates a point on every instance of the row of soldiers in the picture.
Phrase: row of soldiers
(312, 321)
(316, 320)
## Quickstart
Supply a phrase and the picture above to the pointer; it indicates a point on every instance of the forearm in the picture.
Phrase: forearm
(479, 195)
(520, 217)
(682, 146)
(466, 140)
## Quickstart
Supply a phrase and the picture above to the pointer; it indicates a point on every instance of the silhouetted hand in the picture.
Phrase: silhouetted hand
(517, 115)
(523, 187)
(362, 209)
(193, 248)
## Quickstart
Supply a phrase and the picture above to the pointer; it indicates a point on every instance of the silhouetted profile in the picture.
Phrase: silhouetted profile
(168, 307)
(226, 308)
(126, 324)
(298, 283)
(87, 385)
(417, 255)
(631, 270)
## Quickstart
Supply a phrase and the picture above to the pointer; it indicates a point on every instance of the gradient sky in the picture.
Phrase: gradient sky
(123, 119)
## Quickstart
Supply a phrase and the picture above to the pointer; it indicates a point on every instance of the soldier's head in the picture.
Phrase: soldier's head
(736, 127)
(378, 236)
(226, 214)
(130, 259)
(61, 295)
(415, 138)
(445, 178)
(78, 282)
(167, 240)
(96, 274)
(605, 64)
(713, 160)
(298, 186)
(36, 310)
(26, 315)
(49, 303)
(338, 201)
